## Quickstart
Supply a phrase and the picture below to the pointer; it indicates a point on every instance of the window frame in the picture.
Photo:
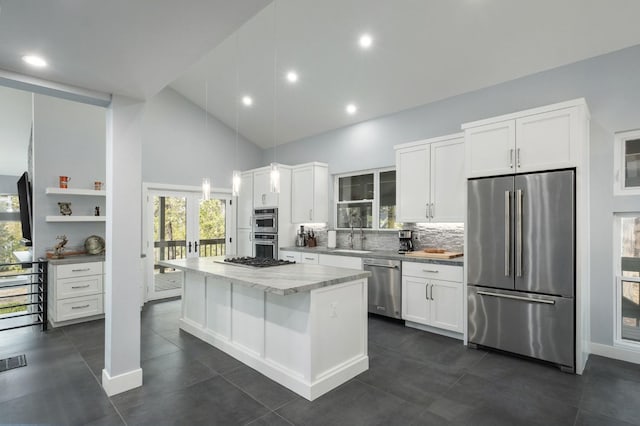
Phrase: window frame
(619, 170)
(618, 341)
(375, 201)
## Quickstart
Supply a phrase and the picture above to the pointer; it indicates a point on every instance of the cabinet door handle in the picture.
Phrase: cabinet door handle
(80, 307)
(511, 158)
(80, 286)
(431, 291)
(426, 210)
(310, 214)
(426, 291)
(433, 210)
(435, 271)
(81, 270)
(264, 197)
(518, 157)
(309, 258)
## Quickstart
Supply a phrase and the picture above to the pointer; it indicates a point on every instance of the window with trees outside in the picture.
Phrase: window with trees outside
(628, 279)
(366, 199)
(10, 241)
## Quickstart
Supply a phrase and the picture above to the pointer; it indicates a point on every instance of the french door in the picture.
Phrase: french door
(180, 225)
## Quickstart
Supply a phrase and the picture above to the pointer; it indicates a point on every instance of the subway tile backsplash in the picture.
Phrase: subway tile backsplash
(449, 236)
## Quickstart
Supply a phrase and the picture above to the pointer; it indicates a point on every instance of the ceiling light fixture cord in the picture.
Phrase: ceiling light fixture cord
(235, 175)
(274, 175)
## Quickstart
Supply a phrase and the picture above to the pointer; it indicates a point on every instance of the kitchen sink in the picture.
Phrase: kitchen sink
(351, 251)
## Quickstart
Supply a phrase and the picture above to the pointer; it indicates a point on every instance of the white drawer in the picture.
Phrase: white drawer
(80, 286)
(79, 307)
(432, 270)
(309, 258)
(79, 269)
(290, 256)
(340, 261)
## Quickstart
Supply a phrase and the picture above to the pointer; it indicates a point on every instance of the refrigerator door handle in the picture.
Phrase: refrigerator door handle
(507, 233)
(524, 299)
(519, 232)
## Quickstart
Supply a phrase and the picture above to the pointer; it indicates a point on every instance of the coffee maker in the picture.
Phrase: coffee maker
(406, 242)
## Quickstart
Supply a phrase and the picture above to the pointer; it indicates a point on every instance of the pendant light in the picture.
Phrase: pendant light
(236, 179)
(206, 182)
(274, 175)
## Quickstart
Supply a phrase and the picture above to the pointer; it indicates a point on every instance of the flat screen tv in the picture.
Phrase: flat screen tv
(26, 210)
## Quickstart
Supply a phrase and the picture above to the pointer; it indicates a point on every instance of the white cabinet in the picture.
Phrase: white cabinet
(244, 244)
(436, 302)
(245, 201)
(262, 195)
(291, 256)
(310, 193)
(75, 291)
(430, 184)
(340, 261)
(535, 140)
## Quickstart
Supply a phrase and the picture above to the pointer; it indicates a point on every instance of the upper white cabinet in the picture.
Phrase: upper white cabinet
(262, 195)
(430, 180)
(540, 139)
(245, 200)
(310, 193)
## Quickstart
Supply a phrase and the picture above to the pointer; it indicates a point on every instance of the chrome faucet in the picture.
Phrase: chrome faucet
(362, 237)
(351, 237)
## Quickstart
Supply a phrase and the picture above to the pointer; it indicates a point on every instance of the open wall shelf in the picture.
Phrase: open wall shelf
(75, 191)
(76, 218)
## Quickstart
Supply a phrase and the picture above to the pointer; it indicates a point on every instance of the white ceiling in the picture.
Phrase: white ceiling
(126, 47)
(424, 50)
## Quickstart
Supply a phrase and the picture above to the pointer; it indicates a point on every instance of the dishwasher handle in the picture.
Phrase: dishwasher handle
(381, 266)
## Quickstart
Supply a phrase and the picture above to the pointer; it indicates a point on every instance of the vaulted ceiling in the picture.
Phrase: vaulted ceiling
(215, 51)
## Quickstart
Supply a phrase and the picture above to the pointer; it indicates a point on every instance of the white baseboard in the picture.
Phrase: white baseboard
(434, 330)
(621, 354)
(121, 382)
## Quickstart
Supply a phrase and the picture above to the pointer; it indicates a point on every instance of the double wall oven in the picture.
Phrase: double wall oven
(265, 233)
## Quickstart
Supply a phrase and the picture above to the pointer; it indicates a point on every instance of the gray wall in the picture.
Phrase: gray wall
(69, 140)
(8, 184)
(181, 145)
(611, 85)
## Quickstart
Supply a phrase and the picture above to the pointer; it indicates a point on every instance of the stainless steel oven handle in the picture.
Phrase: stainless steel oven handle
(507, 233)
(524, 299)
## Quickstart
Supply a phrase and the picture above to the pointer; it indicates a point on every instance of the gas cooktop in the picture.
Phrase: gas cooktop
(257, 262)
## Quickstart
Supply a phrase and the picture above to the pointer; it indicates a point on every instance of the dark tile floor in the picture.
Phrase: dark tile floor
(415, 378)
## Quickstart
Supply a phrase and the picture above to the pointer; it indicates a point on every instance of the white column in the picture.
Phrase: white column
(123, 266)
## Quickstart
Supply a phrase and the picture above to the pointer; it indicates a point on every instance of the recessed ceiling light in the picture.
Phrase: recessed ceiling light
(292, 77)
(247, 100)
(35, 61)
(351, 109)
(365, 41)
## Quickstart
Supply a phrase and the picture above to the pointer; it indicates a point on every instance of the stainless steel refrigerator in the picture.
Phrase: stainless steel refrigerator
(521, 265)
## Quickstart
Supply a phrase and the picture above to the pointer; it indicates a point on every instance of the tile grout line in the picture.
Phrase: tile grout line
(94, 376)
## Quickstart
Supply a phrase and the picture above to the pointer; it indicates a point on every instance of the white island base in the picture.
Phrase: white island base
(309, 342)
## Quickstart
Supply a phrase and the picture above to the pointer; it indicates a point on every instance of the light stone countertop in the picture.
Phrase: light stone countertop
(377, 254)
(281, 280)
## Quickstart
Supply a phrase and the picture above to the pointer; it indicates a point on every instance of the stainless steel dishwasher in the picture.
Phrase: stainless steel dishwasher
(385, 287)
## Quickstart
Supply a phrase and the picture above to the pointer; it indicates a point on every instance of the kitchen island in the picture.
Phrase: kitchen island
(303, 326)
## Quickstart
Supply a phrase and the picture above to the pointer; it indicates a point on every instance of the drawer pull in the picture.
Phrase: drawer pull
(80, 286)
(435, 271)
(81, 270)
(309, 258)
(80, 307)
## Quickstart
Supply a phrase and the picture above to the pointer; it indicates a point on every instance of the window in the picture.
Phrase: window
(366, 199)
(627, 163)
(628, 280)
